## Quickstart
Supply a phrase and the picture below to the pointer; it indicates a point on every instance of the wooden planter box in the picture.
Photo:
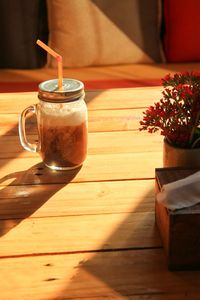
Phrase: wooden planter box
(179, 230)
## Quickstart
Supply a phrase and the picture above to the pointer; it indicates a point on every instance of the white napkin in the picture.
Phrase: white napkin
(181, 193)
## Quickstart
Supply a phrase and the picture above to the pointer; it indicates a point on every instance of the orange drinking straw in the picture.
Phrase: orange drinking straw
(59, 61)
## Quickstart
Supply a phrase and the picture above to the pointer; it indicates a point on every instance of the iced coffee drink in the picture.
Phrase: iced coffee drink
(62, 124)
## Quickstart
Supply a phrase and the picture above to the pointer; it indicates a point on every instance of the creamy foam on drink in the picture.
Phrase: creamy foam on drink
(72, 116)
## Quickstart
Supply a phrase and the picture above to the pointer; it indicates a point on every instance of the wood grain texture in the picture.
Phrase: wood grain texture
(110, 142)
(136, 275)
(95, 168)
(88, 233)
(96, 100)
(78, 233)
(99, 121)
(91, 198)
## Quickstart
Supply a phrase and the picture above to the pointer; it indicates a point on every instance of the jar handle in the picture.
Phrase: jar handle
(22, 129)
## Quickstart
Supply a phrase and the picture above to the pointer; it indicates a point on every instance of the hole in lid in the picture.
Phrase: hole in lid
(38, 174)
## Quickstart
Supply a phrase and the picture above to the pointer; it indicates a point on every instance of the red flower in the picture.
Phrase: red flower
(167, 78)
(177, 114)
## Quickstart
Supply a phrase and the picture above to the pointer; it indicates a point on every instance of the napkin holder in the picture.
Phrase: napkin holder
(179, 229)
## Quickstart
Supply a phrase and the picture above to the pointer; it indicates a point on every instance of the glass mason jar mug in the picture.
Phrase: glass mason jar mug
(62, 124)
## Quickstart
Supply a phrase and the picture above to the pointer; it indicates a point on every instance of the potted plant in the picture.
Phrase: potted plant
(177, 117)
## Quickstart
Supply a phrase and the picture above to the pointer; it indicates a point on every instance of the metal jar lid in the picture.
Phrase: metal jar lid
(72, 90)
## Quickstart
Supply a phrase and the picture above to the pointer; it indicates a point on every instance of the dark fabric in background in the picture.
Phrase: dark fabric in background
(22, 22)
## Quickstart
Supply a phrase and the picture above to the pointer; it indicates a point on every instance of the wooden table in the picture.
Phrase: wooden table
(87, 234)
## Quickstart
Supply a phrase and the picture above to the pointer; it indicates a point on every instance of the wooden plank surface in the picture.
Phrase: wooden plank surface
(99, 121)
(95, 168)
(91, 198)
(71, 234)
(136, 275)
(96, 100)
(98, 143)
(88, 233)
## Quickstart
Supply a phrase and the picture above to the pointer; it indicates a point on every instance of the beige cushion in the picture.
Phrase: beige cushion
(104, 32)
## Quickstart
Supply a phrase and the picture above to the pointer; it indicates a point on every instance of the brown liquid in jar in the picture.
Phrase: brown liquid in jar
(63, 146)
